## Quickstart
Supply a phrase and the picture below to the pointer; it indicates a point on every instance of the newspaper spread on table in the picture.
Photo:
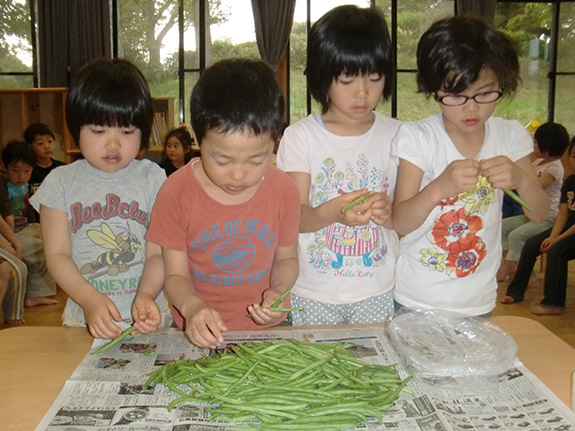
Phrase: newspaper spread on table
(106, 391)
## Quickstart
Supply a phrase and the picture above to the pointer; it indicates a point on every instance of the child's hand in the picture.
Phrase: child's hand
(381, 208)
(145, 313)
(358, 215)
(547, 244)
(261, 314)
(501, 172)
(101, 317)
(7, 246)
(458, 177)
(204, 326)
(14, 248)
(18, 250)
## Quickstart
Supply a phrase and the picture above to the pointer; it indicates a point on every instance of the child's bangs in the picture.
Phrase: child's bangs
(117, 110)
(362, 62)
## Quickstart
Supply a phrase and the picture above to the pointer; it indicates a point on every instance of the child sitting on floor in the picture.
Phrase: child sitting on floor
(19, 160)
(41, 138)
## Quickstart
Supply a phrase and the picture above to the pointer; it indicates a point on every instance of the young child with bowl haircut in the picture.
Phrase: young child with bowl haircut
(347, 259)
(95, 211)
(177, 150)
(41, 138)
(454, 167)
(227, 222)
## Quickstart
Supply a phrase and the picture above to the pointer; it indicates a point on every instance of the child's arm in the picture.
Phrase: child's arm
(10, 220)
(315, 218)
(557, 233)
(545, 180)
(100, 312)
(8, 233)
(284, 273)
(204, 326)
(504, 174)
(413, 206)
(145, 311)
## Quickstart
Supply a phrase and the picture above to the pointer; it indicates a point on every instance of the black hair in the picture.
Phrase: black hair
(351, 40)
(552, 138)
(111, 93)
(18, 151)
(454, 51)
(185, 139)
(236, 95)
(37, 129)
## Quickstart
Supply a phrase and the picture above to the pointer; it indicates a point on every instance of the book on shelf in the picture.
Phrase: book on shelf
(160, 129)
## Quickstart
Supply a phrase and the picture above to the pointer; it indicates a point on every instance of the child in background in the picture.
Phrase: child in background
(11, 251)
(19, 160)
(5, 274)
(453, 167)
(14, 285)
(41, 138)
(227, 221)
(551, 141)
(347, 260)
(559, 244)
(178, 150)
(95, 211)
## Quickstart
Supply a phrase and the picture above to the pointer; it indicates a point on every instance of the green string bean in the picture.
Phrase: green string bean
(356, 202)
(517, 199)
(115, 340)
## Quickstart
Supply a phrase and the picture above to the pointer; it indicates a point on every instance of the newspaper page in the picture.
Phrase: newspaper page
(107, 391)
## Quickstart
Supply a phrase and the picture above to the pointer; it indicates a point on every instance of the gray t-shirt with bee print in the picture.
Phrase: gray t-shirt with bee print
(108, 215)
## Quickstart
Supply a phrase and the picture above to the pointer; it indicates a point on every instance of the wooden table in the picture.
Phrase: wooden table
(35, 362)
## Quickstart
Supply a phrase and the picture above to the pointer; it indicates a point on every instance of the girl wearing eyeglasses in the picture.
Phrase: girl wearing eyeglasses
(454, 167)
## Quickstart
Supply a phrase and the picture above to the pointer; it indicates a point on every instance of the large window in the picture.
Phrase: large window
(563, 105)
(412, 19)
(530, 27)
(16, 52)
(149, 34)
(172, 41)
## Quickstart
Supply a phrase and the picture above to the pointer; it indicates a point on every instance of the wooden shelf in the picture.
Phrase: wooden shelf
(21, 107)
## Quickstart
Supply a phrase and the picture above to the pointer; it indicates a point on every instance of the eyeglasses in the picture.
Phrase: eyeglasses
(460, 99)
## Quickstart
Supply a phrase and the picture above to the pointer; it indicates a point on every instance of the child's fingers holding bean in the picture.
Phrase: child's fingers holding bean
(205, 329)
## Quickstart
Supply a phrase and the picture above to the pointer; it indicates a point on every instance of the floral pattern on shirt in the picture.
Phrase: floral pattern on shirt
(360, 245)
(456, 247)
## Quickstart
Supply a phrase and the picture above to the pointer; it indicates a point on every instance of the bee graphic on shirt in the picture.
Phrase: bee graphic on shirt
(122, 250)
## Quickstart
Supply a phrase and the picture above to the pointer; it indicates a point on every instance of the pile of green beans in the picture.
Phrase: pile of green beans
(285, 385)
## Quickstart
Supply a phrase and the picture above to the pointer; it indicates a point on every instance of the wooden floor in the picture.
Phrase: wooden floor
(562, 325)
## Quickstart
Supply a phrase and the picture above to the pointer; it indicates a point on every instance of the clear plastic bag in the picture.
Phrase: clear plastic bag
(450, 348)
